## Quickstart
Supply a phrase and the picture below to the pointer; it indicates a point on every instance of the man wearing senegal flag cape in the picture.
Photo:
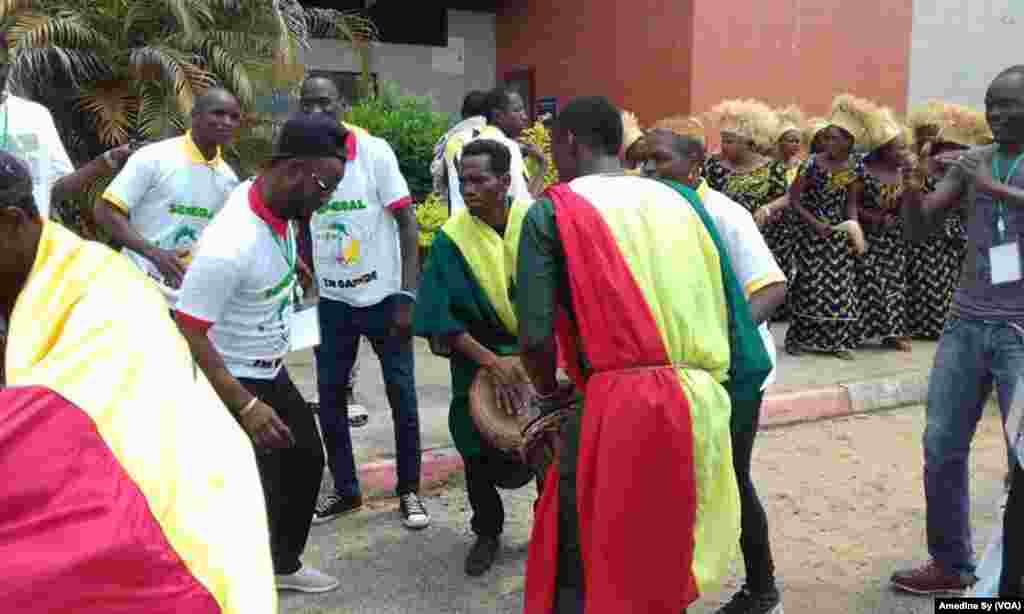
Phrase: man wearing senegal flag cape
(629, 274)
(128, 487)
(465, 310)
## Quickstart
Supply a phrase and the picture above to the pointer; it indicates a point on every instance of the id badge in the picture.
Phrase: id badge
(1004, 261)
(305, 329)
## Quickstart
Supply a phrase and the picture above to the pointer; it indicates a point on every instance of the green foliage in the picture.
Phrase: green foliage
(113, 70)
(410, 125)
(431, 214)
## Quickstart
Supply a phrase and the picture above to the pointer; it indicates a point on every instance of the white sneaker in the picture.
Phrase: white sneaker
(414, 514)
(306, 580)
(357, 415)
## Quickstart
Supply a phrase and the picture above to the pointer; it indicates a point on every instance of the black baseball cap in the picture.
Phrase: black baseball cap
(311, 135)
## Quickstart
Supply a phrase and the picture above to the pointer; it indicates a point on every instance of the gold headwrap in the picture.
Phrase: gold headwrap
(749, 119)
(883, 128)
(789, 118)
(682, 126)
(955, 123)
(852, 115)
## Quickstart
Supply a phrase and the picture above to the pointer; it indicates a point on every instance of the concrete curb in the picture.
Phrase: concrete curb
(378, 478)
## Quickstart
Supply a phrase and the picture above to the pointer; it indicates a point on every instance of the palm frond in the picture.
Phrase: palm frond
(350, 26)
(241, 43)
(158, 115)
(113, 106)
(65, 29)
(231, 72)
(184, 77)
(11, 7)
(33, 65)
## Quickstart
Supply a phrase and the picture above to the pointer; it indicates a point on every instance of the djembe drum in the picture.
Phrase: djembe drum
(500, 430)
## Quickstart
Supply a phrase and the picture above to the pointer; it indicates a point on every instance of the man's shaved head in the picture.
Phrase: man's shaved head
(216, 116)
(212, 97)
(321, 95)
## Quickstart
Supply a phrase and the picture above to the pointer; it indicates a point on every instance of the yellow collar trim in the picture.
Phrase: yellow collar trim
(196, 156)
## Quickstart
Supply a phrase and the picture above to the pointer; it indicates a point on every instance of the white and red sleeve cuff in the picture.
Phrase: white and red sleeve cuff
(401, 203)
(189, 321)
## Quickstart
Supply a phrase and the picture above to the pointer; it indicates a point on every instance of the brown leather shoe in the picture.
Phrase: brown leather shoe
(930, 579)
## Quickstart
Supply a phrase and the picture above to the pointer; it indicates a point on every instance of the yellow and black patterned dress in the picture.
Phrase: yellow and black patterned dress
(881, 272)
(823, 296)
(755, 189)
(932, 272)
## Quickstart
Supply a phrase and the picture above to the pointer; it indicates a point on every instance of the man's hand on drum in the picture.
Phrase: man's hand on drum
(512, 389)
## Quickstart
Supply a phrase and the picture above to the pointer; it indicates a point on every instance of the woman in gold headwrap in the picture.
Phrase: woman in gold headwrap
(827, 193)
(789, 142)
(740, 171)
(933, 266)
(881, 272)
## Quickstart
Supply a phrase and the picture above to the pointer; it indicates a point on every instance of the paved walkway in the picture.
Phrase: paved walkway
(796, 374)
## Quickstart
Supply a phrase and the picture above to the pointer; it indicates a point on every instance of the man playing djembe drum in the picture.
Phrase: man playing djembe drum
(465, 309)
(640, 511)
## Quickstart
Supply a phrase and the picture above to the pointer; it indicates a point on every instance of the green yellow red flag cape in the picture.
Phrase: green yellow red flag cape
(132, 489)
(467, 288)
(657, 501)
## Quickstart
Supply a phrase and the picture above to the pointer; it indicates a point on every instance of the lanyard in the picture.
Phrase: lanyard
(1000, 206)
(288, 251)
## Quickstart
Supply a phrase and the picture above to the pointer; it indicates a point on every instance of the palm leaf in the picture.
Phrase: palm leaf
(185, 78)
(230, 70)
(113, 105)
(158, 115)
(348, 26)
(65, 29)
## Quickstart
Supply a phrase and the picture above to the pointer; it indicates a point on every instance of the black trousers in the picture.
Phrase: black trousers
(569, 582)
(483, 475)
(291, 476)
(754, 542)
(1010, 585)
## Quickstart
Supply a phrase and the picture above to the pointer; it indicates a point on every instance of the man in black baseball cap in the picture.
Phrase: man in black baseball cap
(235, 310)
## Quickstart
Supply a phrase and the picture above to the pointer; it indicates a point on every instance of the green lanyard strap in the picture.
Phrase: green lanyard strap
(288, 251)
(999, 220)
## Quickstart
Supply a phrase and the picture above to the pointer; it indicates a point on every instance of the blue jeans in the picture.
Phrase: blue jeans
(341, 326)
(972, 357)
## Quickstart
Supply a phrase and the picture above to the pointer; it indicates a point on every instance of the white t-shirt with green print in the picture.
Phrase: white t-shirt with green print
(28, 132)
(170, 194)
(242, 284)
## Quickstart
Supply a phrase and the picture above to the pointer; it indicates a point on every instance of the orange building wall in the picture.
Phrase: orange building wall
(801, 51)
(636, 52)
(661, 57)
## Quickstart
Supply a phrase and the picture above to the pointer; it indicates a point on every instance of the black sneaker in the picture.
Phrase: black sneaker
(481, 555)
(746, 602)
(333, 506)
(414, 514)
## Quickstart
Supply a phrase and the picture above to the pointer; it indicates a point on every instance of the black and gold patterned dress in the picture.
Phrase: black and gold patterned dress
(715, 172)
(755, 189)
(881, 272)
(824, 302)
(932, 273)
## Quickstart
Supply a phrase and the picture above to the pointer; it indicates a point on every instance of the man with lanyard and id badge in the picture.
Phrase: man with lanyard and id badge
(236, 312)
(982, 344)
